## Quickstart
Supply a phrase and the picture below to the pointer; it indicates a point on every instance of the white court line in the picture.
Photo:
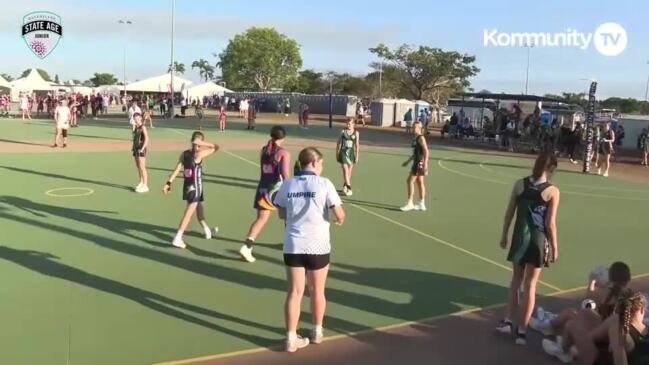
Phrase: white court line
(512, 183)
(574, 185)
(177, 131)
(438, 240)
(446, 243)
(86, 192)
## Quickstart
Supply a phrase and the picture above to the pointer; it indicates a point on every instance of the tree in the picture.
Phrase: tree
(76, 82)
(308, 82)
(347, 84)
(56, 79)
(425, 71)
(7, 77)
(260, 58)
(179, 67)
(43, 74)
(103, 79)
(88, 83)
(204, 69)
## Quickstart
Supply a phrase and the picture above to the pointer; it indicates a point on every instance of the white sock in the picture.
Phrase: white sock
(291, 335)
(179, 236)
(318, 330)
(204, 224)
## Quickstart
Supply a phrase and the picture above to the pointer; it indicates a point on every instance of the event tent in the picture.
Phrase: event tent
(207, 89)
(158, 84)
(4, 84)
(30, 83)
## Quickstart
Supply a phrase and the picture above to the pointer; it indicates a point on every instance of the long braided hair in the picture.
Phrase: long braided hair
(619, 275)
(629, 303)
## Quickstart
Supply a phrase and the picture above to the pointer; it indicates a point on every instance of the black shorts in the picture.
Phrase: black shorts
(192, 196)
(137, 153)
(417, 168)
(604, 149)
(309, 262)
(64, 132)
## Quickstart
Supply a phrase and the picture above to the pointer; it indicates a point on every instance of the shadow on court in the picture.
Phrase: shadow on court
(24, 142)
(49, 265)
(65, 177)
(418, 294)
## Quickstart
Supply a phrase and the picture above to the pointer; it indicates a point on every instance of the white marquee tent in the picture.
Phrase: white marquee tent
(158, 84)
(4, 83)
(30, 83)
(207, 89)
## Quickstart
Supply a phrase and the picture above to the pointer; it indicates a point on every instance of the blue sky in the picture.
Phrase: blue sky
(335, 35)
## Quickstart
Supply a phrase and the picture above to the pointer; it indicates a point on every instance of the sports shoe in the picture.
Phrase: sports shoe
(599, 171)
(296, 344)
(573, 161)
(421, 206)
(65, 145)
(142, 189)
(553, 348)
(345, 190)
(179, 243)
(542, 326)
(316, 337)
(210, 231)
(408, 207)
(505, 327)
(521, 338)
(605, 174)
(349, 191)
(246, 254)
(137, 187)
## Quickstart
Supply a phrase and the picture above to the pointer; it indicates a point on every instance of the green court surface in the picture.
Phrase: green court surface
(91, 279)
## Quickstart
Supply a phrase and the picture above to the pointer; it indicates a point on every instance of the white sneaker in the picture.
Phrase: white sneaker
(316, 337)
(542, 326)
(345, 190)
(350, 192)
(179, 243)
(421, 206)
(246, 254)
(208, 233)
(144, 189)
(599, 171)
(408, 207)
(137, 187)
(573, 161)
(605, 174)
(553, 348)
(296, 344)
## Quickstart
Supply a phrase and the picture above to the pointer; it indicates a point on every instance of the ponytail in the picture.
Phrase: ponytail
(307, 156)
(546, 162)
(629, 303)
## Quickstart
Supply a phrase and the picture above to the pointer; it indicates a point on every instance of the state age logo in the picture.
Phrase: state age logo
(42, 31)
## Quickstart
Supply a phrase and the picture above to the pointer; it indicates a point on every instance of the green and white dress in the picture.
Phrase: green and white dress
(347, 153)
(529, 240)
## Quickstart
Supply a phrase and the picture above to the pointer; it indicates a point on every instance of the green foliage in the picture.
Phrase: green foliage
(260, 58)
(205, 70)
(7, 77)
(425, 73)
(179, 68)
(42, 72)
(103, 79)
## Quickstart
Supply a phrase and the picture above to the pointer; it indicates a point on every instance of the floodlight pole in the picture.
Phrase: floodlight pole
(126, 23)
(173, 66)
(527, 73)
(646, 90)
(331, 100)
(381, 78)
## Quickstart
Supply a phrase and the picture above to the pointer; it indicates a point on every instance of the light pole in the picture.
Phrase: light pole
(125, 23)
(646, 90)
(173, 66)
(381, 78)
(587, 88)
(529, 47)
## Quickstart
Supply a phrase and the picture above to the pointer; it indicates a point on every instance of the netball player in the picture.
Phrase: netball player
(419, 169)
(347, 152)
(535, 201)
(62, 116)
(605, 149)
(140, 143)
(190, 162)
(305, 202)
(274, 164)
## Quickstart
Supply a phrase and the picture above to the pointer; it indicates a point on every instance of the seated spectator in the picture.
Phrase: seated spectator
(629, 336)
(585, 330)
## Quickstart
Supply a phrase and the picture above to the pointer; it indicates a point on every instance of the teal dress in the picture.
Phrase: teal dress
(529, 240)
(347, 153)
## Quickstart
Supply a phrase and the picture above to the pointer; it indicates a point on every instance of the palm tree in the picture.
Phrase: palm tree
(179, 67)
(204, 69)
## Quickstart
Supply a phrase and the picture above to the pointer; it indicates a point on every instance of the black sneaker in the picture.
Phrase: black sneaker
(521, 338)
(505, 327)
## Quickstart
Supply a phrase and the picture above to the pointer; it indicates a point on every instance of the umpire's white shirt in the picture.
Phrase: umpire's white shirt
(307, 199)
